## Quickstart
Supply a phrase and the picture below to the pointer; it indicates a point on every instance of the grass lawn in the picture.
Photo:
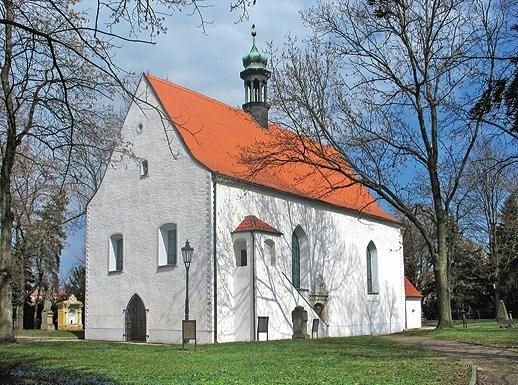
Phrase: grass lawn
(482, 332)
(354, 360)
(37, 333)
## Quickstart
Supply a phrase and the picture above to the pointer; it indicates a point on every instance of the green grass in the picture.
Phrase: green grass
(355, 360)
(482, 332)
(36, 333)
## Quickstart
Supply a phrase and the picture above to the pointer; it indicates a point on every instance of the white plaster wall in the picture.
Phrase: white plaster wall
(177, 190)
(242, 294)
(337, 250)
(276, 297)
(413, 313)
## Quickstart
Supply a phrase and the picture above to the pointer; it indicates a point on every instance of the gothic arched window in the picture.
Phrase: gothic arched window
(295, 260)
(372, 269)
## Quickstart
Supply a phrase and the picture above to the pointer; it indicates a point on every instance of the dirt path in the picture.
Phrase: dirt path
(496, 366)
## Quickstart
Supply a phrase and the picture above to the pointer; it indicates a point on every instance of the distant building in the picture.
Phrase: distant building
(263, 244)
(413, 300)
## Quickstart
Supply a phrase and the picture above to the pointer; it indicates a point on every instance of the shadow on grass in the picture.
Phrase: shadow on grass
(38, 333)
(39, 376)
(80, 334)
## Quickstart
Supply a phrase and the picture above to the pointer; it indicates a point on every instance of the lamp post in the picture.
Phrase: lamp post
(187, 252)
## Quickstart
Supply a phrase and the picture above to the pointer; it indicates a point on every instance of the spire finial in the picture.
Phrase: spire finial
(253, 33)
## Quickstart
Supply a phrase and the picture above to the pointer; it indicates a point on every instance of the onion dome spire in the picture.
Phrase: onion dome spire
(254, 59)
(255, 79)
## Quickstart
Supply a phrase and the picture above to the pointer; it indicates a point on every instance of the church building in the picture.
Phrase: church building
(264, 243)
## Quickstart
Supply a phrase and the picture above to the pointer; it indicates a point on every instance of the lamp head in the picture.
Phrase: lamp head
(187, 253)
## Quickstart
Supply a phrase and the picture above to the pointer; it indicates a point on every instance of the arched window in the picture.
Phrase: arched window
(116, 253)
(144, 168)
(240, 252)
(269, 251)
(300, 259)
(295, 260)
(372, 269)
(167, 244)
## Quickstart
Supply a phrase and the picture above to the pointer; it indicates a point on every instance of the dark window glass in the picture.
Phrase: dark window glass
(118, 254)
(295, 261)
(243, 258)
(171, 247)
(369, 271)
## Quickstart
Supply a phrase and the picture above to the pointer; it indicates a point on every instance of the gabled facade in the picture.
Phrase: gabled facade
(263, 244)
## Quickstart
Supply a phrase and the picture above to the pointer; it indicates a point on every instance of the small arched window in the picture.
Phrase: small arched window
(167, 244)
(144, 168)
(116, 252)
(269, 251)
(372, 269)
(240, 253)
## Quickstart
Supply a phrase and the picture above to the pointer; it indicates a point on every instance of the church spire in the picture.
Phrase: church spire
(255, 77)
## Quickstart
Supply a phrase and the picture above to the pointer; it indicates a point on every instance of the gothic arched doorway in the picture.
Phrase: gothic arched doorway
(136, 320)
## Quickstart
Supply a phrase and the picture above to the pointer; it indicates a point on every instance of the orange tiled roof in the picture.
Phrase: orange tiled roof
(252, 223)
(411, 291)
(216, 135)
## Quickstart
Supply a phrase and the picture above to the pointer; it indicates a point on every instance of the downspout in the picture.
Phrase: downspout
(215, 266)
(254, 303)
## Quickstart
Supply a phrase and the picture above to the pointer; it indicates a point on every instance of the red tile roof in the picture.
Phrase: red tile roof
(411, 291)
(252, 223)
(216, 135)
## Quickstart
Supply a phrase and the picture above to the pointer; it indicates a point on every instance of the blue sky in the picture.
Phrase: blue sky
(208, 63)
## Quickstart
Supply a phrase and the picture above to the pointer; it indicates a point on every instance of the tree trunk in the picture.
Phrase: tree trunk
(6, 216)
(441, 278)
(6, 310)
(6, 304)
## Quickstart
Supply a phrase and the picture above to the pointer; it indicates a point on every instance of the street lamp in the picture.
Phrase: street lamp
(187, 252)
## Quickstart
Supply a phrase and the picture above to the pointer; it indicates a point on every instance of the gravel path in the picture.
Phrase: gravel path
(496, 366)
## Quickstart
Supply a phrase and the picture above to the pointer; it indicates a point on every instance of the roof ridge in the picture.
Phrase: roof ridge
(208, 98)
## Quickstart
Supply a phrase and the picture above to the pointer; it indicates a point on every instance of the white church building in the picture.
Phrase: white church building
(263, 244)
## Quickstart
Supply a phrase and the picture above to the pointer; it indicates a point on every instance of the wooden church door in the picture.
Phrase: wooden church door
(136, 320)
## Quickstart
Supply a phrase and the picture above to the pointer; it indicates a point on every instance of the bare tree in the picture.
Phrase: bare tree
(507, 239)
(35, 181)
(57, 73)
(385, 90)
(489, 181)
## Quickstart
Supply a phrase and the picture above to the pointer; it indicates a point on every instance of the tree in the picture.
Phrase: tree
(498, 105)
(76, 283)
(56, 74)
(417, 259)
(507, 239)
(385, 90)
(488, 183)
(42, 245)
(32, 185)
(469, 274)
